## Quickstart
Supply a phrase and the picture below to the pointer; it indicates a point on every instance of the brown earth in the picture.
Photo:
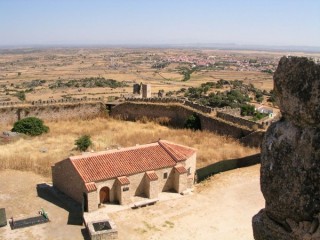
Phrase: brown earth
(219, 208)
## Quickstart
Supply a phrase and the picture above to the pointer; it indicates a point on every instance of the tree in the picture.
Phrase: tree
(83, 143)
(193, 122)
(247, 110)
(259, 96)
(31, 126)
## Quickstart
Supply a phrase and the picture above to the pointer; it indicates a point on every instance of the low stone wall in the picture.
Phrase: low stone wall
(177, 115)
(228, 110)
(254, 139)
(238, 120)
(108, 234)
(221, 127)
(226, 165)
(49, 112)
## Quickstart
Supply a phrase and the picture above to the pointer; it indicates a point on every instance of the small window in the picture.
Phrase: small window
(165, 175)
(189, 171)
(124, 189)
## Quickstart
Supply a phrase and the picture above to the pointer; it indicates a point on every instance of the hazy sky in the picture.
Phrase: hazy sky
(266, 22)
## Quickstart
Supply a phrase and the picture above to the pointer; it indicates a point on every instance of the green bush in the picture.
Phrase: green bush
(247, 110)
(193, 122)
(21, 95)
(31, 126)
(83, 143)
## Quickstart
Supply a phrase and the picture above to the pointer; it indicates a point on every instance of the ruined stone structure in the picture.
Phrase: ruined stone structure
(136, 89)
(290, 158)
(117, 176)
(146, 90)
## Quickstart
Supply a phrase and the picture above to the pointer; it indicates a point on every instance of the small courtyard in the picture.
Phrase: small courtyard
(219, 208)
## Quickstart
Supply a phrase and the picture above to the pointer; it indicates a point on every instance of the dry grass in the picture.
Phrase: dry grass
(37, 154)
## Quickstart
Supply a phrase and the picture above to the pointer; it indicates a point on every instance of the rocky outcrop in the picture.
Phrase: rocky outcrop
(290, 156)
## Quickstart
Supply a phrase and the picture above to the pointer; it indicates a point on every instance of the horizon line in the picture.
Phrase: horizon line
(218, 46)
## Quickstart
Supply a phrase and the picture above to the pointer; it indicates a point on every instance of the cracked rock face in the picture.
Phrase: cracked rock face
(290, 156)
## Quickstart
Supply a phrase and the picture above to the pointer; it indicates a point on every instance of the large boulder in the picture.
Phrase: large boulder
(290, 156)
(297, 87)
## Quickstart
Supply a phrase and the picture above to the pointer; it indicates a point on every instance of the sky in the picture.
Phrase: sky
(147, 22)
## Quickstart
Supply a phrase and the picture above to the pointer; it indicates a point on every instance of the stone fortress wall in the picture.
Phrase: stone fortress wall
(51, 101)
(238, 120)
(177, 114)
(48, 110)
(226, 113)
(224, 121)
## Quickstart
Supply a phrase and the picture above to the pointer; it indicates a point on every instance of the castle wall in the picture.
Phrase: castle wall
(237, 120)
(49, 112)
(177, 116)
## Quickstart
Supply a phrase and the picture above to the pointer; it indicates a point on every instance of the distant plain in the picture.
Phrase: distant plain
(124, 65)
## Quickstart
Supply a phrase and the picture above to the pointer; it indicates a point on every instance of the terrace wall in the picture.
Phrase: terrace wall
(177, 115)
(226, 165)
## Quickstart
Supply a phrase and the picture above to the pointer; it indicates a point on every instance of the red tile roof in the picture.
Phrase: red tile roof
(91, 187)
(152, 176)
(180, 169)
(123, 180)
(127, 161)
(178, 152)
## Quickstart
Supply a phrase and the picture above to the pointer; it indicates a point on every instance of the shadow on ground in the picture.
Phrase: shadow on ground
(52, 195)
(85, 234)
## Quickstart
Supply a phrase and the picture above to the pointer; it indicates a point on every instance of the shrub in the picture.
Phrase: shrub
(247, 110)
(83, 143)
(31, 126)
(193, 122)
(21, 95)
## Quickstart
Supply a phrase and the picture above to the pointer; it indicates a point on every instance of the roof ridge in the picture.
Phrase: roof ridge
(167, 150)
(99, 153)
(177, 151)
(128, 161)
(180, 145)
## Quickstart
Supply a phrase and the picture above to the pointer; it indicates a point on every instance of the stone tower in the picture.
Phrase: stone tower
(146, 90)
(137, 88)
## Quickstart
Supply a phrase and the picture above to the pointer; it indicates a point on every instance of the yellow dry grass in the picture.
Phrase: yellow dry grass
(38, 154)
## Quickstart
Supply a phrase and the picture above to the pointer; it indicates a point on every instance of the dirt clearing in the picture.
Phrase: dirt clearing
(220, 208)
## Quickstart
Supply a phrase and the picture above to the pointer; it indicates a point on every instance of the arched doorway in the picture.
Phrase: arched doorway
(104, 195)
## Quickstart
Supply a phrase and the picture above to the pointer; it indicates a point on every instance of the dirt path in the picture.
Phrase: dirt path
(18, 195)
(220, 208)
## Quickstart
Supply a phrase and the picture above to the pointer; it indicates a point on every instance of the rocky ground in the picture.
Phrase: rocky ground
(220, 208)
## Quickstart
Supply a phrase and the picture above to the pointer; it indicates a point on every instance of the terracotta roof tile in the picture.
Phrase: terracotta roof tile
(123, 180)
(152, 176)
(91, 187)
(124, 162)
(179, 152)
(181, 169)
